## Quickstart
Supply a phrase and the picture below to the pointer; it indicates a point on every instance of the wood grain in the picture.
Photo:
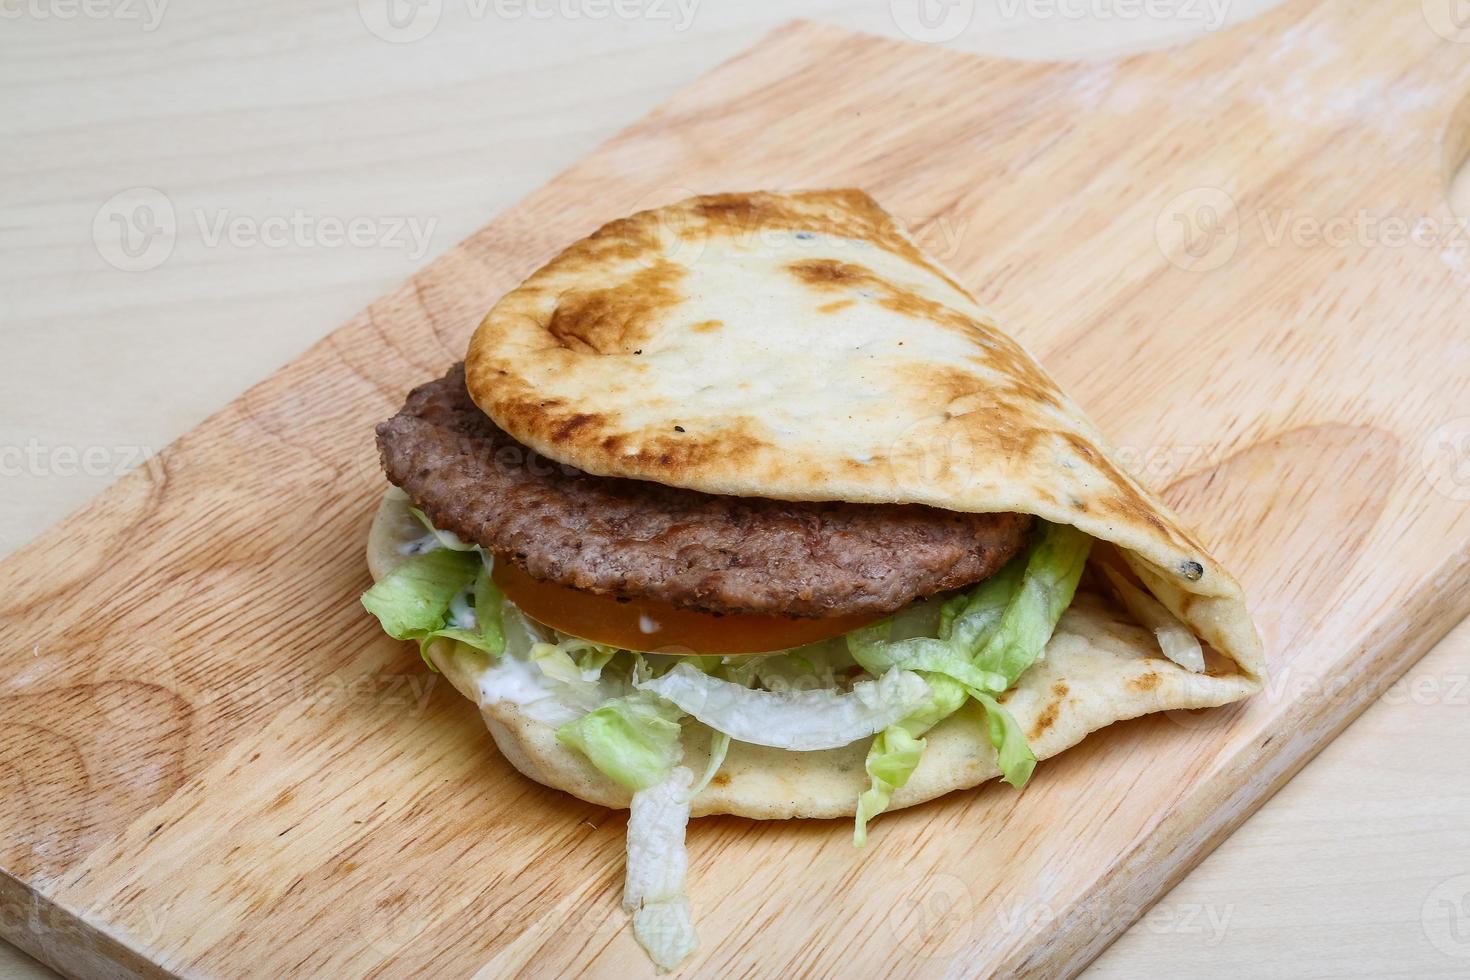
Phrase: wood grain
(1357, 861)
(213, 765)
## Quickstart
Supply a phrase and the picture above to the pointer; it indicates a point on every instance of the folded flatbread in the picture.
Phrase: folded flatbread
(800, 347)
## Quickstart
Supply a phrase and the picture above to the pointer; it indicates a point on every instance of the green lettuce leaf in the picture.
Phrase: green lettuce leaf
(895, 752)
(878, 655)
(1015, 757)
(988, 637)
(719, 745)
(634, 740)
(969, 619)
(488, 632)
(422, 600)
(572, 660)
(414, 598)
(1053, 568)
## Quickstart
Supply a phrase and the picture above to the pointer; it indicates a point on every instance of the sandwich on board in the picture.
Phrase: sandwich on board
(743, 505)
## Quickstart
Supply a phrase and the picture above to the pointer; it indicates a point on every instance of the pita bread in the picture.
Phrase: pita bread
(1099, 668)
(800, 346)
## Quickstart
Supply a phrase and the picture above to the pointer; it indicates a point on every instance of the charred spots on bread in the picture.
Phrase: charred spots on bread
(618, 318)
(823, 273)
(577, 421)
(1047, 718)
(1145, 683)
(1018, 373)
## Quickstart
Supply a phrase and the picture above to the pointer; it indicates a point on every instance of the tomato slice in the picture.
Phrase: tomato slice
(649, 626)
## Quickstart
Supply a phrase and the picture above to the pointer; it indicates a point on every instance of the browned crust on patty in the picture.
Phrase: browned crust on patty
(630, 538)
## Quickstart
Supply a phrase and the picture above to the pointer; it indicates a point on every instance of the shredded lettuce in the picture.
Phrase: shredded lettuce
(1053, 568)
(1176, 640)
(819, 666)
(1014, 756)
(441, 594)
(988, 637)
(483, 628)
(556, 663)
(625, 709)
(969, 620)
(556, 660)
(443, 539)
(801, 721)
(921, 654)
(895, 752)
(655, 887)
(415, 598)
(719, 745)
(633, 740)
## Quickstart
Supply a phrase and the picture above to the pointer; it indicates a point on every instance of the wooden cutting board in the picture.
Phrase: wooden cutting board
(212, 763)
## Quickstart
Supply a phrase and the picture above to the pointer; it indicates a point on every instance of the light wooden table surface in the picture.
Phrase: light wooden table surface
(276, 129)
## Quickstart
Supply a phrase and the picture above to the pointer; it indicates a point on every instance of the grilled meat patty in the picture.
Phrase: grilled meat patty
(629, 538)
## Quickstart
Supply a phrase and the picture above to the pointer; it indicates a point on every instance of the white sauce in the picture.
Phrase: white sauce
(419, 546)
(523, 684)
(462, 612)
